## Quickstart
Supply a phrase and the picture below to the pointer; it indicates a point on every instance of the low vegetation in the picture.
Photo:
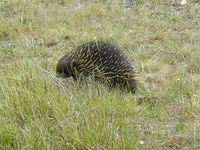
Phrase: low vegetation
(40, 111)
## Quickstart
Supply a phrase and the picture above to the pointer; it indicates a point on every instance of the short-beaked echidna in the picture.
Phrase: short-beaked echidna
(101, 59)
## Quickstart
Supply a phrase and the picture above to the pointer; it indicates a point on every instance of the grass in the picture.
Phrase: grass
(39, 111)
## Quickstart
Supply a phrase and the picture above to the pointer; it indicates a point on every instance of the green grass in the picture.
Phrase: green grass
(39, 111)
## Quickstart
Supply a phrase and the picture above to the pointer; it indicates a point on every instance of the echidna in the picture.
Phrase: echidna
(101, 59)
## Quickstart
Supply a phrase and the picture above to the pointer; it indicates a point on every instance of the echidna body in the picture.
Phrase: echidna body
(101, 59)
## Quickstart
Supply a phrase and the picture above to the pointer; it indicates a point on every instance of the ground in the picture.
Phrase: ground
(40, 111)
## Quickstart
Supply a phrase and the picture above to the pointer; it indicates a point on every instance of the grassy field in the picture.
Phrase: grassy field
(39, 111)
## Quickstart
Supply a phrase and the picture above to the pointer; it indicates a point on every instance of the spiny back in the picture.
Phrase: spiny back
(103, 58)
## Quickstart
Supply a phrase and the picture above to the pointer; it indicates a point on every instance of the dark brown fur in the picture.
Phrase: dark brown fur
(101, 59)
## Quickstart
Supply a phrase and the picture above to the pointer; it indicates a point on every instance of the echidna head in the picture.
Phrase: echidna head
(63, 67)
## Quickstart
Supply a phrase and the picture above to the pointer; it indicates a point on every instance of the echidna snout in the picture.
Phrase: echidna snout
(62, 68)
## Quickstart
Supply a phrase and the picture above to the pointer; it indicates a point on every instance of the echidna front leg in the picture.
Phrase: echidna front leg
(133, 85)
